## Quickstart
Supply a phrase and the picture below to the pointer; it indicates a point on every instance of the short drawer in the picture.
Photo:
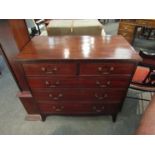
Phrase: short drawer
(79, 82)
(99, 95)
(125, 33)
(126, 27)
(50, 69)
(80, 108)
(143, 22)
(100, 69)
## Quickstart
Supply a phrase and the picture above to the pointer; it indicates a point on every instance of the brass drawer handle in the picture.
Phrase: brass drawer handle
(55, 97)
(101, 70)
(102, 85)
(98, 109)
(58, 109)
(101, 97)
(47, 83)
(49, 71)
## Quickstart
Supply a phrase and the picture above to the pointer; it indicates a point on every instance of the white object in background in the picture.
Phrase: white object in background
(103, 32)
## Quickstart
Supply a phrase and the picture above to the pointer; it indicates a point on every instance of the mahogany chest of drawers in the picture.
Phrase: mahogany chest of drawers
(80, 75)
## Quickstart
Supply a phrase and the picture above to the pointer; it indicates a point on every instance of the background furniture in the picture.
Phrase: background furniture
(78, 75)
(74, 27)
(127, 28)
(40, 22)
(144, 77)
(14, 36)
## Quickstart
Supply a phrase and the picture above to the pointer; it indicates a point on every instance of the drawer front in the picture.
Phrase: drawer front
(81, 82)
(143, 22)
(50, 69)
(80, 108)
(125, 33)
(101, 69)
(99, 95)
(126, 27)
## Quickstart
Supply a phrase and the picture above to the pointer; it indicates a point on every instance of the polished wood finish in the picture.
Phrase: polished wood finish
(78, 48)
(50, 69)
(127, 28)
(78, 74)
(13, 37)
(84, 94)
(28, 102)
(74, 82)
(20, 32)
(106, 68)
(72, 109)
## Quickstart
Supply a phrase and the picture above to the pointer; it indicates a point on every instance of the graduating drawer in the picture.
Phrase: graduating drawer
(50, 69)
(126, 27)
(99, 95)
(79, 82)
(107, 68)
(80, 108)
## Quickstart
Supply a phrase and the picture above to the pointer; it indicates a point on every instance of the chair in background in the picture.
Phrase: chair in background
(147, 32)
(144, 77)
(40, 22)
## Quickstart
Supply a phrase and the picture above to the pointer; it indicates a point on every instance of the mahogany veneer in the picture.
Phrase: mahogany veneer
(78, 75)
(13, 37)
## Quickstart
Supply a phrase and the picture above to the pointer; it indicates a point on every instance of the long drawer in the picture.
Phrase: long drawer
(80, 108)
(106, 68)
(79, 82)
(80, 94)
(50, 69)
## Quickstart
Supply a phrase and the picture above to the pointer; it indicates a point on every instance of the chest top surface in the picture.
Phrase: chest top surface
(78, 48)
